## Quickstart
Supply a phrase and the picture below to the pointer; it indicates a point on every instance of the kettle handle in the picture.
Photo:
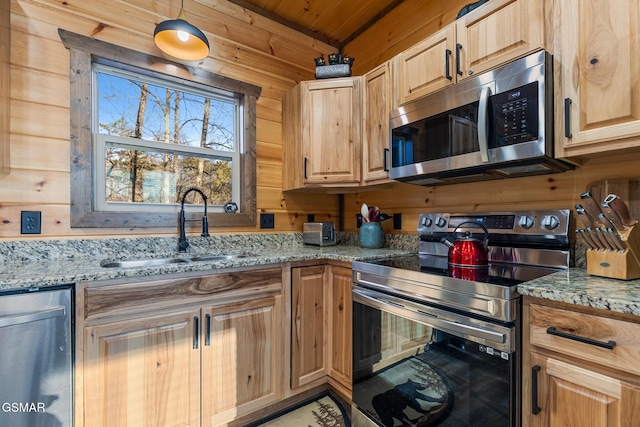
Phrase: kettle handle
(486, 232)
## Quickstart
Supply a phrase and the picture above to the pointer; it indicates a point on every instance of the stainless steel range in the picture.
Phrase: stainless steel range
(437, 344)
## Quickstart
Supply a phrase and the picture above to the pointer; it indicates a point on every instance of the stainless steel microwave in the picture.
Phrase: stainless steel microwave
(498, 124)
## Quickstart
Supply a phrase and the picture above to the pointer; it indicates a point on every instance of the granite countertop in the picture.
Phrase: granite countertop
(21, 274)
(575, 286)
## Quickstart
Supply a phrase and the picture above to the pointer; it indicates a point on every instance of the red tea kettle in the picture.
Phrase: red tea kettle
(468, 257)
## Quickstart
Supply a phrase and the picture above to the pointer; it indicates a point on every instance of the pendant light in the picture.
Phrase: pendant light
(180, 39)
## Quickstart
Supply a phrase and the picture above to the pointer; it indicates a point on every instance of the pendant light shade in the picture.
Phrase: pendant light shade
(180, 39)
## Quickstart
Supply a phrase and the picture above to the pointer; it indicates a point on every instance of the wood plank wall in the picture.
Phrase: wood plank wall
(248, 47)
(244, 46)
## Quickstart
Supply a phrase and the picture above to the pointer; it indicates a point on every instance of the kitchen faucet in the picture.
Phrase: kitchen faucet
(183, 244)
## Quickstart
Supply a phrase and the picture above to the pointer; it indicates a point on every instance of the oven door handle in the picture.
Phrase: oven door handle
(398, 308)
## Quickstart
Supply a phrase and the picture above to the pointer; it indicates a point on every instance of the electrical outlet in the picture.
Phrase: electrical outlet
(267, 220)
(311, 218)
(397, 221)
(30, 222)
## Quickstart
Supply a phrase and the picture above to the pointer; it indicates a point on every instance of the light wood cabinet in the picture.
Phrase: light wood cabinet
(491, 35)
(377, 96)
(182, 351)
(322, 140)
(309, 329)
(597, 63)
(321, 333)
(340, 328)
(144, 371)
(240, 359)
(581, 369)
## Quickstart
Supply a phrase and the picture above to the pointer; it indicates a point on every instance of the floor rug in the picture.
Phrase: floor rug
(324, 411)
(409, 393)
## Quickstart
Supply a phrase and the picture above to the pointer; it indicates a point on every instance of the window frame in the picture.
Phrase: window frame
(84, 51)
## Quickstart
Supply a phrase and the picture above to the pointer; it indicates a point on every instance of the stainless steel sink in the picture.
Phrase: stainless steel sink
(139, 263)
(220, 257)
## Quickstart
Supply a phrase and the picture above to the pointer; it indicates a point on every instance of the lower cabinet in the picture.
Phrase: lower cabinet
(581, 367)
(569, 395)
(321, 326)
(241, 364)
(144, 371)
(182, 352)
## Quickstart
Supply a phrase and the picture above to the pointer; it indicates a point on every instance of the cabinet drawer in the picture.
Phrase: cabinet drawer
(585, 336)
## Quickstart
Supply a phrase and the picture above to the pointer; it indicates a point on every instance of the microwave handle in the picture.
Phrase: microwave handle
(483, 128)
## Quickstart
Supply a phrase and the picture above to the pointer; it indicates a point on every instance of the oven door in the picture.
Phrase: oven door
(417, 365)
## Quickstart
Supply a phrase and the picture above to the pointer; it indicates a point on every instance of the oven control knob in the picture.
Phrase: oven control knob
(550, 222)
(441, 222)
(526, 222)
(427, 222)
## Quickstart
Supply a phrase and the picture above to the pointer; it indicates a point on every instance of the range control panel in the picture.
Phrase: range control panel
(542, 223)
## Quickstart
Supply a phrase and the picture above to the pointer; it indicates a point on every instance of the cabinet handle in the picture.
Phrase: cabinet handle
(196, 334)
(207, 339)
(608, 345)
(567, 118)
(458, 49)
(535, 409)
(447, 60)
(304, 166)
(385, 165)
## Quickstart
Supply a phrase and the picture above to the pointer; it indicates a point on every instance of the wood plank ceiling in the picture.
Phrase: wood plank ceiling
(335, 22)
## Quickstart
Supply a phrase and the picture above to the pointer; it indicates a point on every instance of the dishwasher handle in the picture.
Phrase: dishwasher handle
(35, 316)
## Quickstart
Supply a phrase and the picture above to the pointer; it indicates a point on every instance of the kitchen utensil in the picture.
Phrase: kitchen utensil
(384, 217)
(614, 237)
(612, 217)
(468, 251)
(586, 238)
(592, 209)
(621, 209)
(364, 211)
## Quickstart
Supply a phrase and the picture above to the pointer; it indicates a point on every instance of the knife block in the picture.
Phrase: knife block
(623, 265)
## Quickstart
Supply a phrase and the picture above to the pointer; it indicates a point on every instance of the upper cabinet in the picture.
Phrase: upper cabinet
(497, 32)
(377, 95)
(322, 134)
(598, 101)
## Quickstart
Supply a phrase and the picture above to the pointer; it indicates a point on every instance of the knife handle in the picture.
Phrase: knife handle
(592, 208)
(584, 219)
(613, 217)
(620, 207)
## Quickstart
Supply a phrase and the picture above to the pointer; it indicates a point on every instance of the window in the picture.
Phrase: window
(144, 130)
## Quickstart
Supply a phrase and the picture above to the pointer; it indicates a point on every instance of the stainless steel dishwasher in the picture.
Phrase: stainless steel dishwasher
(36, 355)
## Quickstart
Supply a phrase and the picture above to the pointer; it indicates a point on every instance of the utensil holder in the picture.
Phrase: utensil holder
(623, 265)
(371, 235)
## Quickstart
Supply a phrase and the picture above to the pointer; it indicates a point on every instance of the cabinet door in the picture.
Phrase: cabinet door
(331, 132)
(569, 395)
(309, 324)
(242, 363)
(599, 67)
(427, 66)
(340, 308)
(375, 144)
(498, 32)
(143, 372)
